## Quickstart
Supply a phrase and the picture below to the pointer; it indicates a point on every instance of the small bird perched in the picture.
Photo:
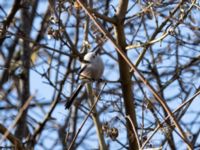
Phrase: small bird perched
(92, 69)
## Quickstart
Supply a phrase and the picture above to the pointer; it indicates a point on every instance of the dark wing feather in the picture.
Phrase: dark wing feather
(74, 95)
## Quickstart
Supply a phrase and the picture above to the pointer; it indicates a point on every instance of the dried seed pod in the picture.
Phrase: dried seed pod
(50, 31)
(77, 6)
(105, 127)
(114, 133)
(171, 31)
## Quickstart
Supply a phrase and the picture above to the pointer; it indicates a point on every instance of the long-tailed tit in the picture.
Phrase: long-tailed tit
(92, 69)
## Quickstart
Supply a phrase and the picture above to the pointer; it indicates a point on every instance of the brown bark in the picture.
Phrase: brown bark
(125, 76)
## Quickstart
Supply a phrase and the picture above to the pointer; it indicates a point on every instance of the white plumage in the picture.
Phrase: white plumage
(92, 69)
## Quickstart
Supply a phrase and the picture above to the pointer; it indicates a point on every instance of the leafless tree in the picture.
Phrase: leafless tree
(148, 96)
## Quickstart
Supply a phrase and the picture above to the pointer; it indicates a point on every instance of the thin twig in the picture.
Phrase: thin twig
(13, 139)
(21, 111)
(84, 121)
(177, 109)
(158, 30)
(135, 131)
(149, 42)
(41, 125)
(95, 118)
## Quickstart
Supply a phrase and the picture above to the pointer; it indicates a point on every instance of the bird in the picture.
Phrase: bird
(92, 68)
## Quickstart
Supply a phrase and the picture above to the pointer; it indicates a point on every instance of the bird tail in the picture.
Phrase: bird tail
(74, 95)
